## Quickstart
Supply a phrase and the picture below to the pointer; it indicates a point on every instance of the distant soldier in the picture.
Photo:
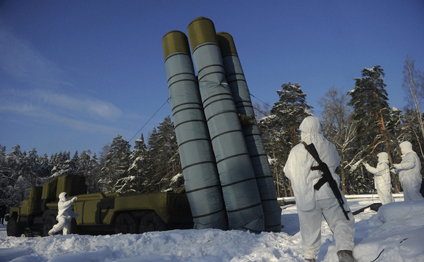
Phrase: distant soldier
(64, 215)
(3, 209)
(409, 173)
(382, 180)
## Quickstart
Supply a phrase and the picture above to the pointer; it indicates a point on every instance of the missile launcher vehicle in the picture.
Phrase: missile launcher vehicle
(98, 213)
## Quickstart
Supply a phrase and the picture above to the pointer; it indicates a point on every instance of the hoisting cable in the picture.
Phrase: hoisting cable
(149, 119)
(265, 103)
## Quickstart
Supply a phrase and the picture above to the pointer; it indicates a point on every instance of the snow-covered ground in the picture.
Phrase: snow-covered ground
(395, 233)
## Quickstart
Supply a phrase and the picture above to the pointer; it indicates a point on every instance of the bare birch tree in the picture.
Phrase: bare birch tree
(414, 84)
(338, 128)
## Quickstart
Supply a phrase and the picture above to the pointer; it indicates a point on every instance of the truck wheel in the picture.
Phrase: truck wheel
(125, 223)
(151, 222)
(49, 222)
(13, 228)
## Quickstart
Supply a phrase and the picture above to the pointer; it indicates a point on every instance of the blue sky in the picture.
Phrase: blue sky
(74, 74)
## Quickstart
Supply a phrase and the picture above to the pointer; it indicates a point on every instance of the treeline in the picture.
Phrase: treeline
(360, 123)
(147, 168)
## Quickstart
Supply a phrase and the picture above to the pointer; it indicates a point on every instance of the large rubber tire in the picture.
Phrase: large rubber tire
(49, 222)
(126, 223)
(13, 228)
(151, 222)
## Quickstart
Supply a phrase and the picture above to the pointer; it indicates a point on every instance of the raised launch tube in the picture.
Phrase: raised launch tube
(239, 187)
(201, 177)
(237, 81)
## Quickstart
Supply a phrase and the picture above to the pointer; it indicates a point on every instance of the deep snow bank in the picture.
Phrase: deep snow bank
(396, 233)
(177, 245)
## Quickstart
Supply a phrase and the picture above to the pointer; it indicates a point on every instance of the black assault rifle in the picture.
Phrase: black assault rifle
(326, 177)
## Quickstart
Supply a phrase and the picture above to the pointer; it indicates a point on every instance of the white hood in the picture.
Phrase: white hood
(405, 147)
(309, 126)
(63, 196)
(383, 157)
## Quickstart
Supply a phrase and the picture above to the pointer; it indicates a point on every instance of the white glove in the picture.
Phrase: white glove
(397, 166)
(366, 165)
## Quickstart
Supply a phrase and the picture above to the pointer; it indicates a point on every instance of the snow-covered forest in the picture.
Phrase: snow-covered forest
(147, 168)
(360, 122)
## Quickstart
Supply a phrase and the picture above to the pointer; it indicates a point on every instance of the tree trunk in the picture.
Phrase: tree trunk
(380, 121)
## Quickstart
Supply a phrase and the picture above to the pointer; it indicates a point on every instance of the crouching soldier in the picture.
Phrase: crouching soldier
(310, 165)
(64, 215)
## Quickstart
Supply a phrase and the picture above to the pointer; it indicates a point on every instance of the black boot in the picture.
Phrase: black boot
(345, 256)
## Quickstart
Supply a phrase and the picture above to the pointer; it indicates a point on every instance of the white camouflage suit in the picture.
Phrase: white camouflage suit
(312, 204)
(409, 173)
(65, 214)
(382, 180)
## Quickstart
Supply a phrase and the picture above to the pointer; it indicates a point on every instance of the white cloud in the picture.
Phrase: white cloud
(86, 105)
(38, 113)
(67, 104)
(40, 95)
(24, 62)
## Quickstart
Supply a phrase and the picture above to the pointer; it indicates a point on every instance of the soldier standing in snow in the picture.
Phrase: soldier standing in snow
(64, 215)
(3, 209)
(303, 171)
(409, 173)
(382, 180)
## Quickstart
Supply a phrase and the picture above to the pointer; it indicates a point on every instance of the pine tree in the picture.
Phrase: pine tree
(83, 163)
(371, 111)
(75, 161)
(290, 111)
(15, 168)
(117, 164)
(138, 163)
(85, 166)
(44, 166)
(280, 130)
(95, 175)
(370, 108)
(32, 168)
(4, 176)
(152, 161)
(63, 165)
(164, 158)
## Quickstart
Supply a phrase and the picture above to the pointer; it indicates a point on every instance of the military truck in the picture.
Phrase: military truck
(99, 213)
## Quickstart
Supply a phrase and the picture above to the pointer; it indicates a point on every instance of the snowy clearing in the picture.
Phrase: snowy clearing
(399, 238)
